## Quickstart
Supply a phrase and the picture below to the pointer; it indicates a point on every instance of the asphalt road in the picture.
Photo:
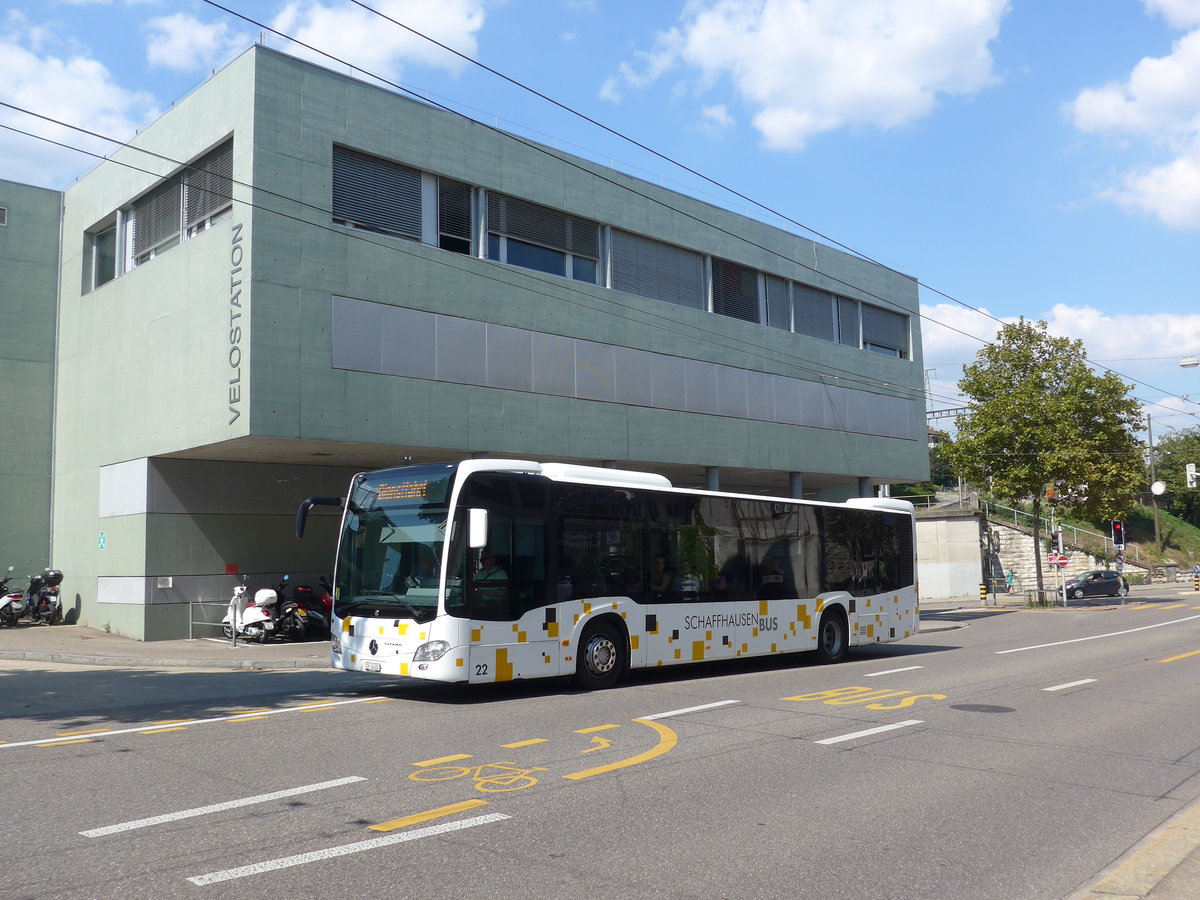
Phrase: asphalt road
(1016, 757)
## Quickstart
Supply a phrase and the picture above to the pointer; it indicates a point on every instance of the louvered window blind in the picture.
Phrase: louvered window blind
(813, 311)
(208, 185)
(454, 215)
(525, 221)
(848, 330)
(779, 313)
(375, 194)
(735, 290)
(656, 270)
(885, 328)
(156, 217)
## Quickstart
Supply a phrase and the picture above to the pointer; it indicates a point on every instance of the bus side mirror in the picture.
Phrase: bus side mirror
(302, 512)
(478, 530)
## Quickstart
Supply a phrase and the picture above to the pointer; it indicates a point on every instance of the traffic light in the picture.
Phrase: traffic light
(1118, 535)
(1190, 470)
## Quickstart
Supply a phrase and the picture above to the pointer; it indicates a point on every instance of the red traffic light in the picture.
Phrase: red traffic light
(1118, 534)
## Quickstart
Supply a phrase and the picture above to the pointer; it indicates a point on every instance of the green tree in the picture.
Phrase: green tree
(1042, 424)
(1174, 453)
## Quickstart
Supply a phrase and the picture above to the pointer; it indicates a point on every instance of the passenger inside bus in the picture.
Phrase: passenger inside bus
(660, 576)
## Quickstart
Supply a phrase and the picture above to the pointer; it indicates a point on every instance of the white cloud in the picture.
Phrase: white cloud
(1178, 13)
(373, 43)
(716, 119)
(1159, 106)
(811, 66)
(77, 90)
(184, 43)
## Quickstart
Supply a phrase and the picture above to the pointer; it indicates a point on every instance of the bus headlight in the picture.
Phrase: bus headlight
(431, 651)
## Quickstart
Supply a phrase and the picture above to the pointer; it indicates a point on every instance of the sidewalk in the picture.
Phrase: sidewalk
(81, 645)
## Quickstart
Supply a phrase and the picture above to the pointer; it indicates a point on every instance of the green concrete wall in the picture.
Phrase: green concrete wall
(28, 288)
(302, 111)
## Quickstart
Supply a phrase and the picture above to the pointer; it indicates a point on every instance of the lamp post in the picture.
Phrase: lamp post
(1155, 488)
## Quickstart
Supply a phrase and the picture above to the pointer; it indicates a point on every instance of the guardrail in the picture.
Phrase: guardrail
(1016, 514)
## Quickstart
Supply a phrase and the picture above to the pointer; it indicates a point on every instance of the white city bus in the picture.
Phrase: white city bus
(493, 569)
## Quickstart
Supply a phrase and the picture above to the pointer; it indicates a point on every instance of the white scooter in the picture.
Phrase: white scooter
(252, 619)
(12, 603)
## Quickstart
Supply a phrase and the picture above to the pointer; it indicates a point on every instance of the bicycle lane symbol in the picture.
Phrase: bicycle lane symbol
(506, 777)
(490, 778)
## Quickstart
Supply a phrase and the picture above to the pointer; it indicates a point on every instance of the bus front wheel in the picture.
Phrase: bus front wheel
(601, 657)
(831, 637)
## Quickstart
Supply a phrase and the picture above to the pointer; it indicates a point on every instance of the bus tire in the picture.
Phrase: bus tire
(831, 636)
(602, 657)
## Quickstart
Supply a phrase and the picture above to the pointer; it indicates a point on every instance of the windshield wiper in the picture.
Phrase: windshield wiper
(397, 599)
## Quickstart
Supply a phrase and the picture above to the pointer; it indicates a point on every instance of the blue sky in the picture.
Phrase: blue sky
(1024, 157)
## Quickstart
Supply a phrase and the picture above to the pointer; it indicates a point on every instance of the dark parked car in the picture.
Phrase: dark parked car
(1098, 583)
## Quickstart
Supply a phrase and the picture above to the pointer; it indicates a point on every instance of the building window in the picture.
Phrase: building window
(182, 206)
(376, 195)
(779, 307)
(525, 234)
(884, 331)
(659, 271)
(3, 215)
(100, 254)
(156, 220)
(208, 189)
(735, 290)
(849, 332)
(813, 312)
(454, 216)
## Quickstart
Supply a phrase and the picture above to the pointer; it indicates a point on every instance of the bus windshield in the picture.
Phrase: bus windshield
(390, 552)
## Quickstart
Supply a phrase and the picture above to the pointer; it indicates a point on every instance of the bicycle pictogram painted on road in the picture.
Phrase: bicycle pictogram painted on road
(491, 778)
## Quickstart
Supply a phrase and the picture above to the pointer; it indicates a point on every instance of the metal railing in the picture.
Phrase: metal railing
(1020, 518)
(206, 610)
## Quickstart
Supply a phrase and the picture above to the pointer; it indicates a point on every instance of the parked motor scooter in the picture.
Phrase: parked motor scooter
(252, 618)
(42, 600)
(12, 602)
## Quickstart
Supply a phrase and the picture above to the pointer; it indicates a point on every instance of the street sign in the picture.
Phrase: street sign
(1062, 562)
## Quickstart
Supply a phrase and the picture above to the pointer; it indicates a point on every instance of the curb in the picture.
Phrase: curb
(1152, 859)
(142, 662)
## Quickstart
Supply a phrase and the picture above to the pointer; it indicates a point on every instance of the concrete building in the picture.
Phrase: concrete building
(293, 275)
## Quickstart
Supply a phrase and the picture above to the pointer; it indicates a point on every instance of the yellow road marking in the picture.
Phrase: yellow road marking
(528, 743)
(64, 743)
(77, 733)
(309, 706)
(1174, 606)
(163, 730)
(667, 740)
(174, 721)
(596, 728)
(438, 813)
(442, 759)
(1180, 656)
(380, 700)
(247, 712)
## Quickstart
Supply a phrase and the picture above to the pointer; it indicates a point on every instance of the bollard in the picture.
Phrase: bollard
(1196, 582)
(983, 594)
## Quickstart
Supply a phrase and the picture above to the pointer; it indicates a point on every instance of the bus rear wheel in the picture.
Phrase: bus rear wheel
(601, 659)
(831, 637)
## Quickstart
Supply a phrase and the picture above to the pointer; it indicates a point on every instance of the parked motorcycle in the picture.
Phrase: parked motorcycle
(317, 609)
(12, 602)
(291, 612)
(42, 600)
(251, 617)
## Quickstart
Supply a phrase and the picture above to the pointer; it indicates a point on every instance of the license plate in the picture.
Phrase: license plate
(372, 667)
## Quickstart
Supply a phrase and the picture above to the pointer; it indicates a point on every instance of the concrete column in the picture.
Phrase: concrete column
(796, 485)
(864, 487)
(712, 478)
